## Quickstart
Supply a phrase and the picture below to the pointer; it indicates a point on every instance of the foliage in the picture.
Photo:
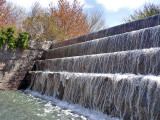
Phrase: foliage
(51, 30)
(61, 22)
(6, 17)
(149, 9)
(8, 37)
(70, 18)
(33, 24)
(22, 40)
(40, 25)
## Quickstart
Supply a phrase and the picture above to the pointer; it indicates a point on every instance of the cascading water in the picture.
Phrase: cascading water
(145, 38)
(146, 61)
(127, 27)
(117, 75)
(134, 97)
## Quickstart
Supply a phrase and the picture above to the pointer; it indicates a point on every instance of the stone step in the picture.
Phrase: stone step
(145, 61)
(122, 95)
(127, 27)
(140, 39)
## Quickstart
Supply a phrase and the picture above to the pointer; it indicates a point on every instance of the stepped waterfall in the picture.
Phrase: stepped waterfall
(127, 96)
(117, 74)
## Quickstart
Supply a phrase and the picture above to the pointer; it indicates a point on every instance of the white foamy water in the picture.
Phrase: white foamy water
(142, 61)
(70, 109)
(17, 105)
(124, 95)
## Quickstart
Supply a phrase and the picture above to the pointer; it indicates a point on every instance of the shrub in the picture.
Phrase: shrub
(22, 40)
(8, 37)
(149, 9)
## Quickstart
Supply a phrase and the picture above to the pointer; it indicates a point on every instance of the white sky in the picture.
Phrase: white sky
(44, 3)
(114, 10)
(112, 5)
(115, 5)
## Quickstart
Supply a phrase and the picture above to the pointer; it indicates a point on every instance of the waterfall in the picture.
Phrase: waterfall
(126, 96)
(120, 29)
(145, 61)
(114, 71)
(144, 38)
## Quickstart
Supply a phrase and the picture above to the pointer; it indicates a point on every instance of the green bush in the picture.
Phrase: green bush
(8, 37)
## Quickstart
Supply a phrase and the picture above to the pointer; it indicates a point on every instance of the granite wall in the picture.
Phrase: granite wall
(14, 65)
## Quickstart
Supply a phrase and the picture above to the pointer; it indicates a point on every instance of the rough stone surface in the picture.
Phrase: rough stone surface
(14, 65)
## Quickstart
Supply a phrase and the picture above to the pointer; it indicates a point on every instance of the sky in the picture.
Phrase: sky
(113, 10)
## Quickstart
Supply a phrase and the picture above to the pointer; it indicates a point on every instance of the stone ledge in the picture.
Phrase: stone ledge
(127, 27)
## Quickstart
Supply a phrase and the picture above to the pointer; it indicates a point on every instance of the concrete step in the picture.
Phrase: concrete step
(127, 27)
(140, 39)
(124, 95)
(145, 61)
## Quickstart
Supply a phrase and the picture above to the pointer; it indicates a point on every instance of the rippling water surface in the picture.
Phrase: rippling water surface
(28, 105)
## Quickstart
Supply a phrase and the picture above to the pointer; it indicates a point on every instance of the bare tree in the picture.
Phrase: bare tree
(40, 25)
(33, 24)
(36, 10)
(19, 13)
(95, 20)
